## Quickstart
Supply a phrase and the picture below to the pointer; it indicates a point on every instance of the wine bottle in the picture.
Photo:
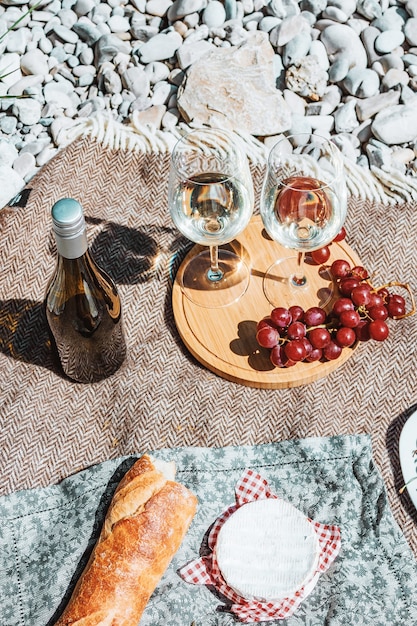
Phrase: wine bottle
(83, 307)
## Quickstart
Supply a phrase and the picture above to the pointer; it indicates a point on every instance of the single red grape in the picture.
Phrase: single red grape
(266, 322)
(350, 319)
(314, 316)
(395, 309)
(396, 298)
(321, 255)
(375, 300)
(281, 317)
(296, 330)
(378, 312)
(362, 331)
(267, 337)
(378, 330)
(341, 234)
(340, 268)
(384, 293)
(319, 337)
(345, 337)
(346, 285)
(332, 351)
(278, 356)
(361, 295)
(360, 272)
(297, 313)
(307, 345)
(343, 304)
(295, 350)
(315, 355)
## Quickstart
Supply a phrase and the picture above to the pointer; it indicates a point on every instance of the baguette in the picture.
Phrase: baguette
(145, 524)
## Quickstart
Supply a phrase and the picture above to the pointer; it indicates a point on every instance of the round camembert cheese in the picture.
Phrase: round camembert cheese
(267, 550)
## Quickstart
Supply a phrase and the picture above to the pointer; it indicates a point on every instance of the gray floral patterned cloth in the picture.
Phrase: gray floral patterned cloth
(46, 535)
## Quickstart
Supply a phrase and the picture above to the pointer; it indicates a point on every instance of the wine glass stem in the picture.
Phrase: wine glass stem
(299, 279)
(214, 273)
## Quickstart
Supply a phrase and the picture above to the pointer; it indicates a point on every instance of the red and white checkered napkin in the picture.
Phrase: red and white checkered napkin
(205, 570)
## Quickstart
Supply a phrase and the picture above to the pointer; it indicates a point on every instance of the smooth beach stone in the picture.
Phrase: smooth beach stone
(393, 18)
(323, 124)
(160, 47)
(318, 50)
(289, 28)
(24, 164)
(25, 83)
(87, 32)
(8, 124)
(295, 102)
(158, 7)
(136, 80)
(214, 14)
(283, 8)
(296, 49)
(34, 62)
(388, 40)
(118, 24)
(396, 124)
(27, 111)
(244, 76)
(269, 22)
(335, 14)
(345, 49)
(410, 31)
(157, 71)
(17, 41)
(10, 184)
(393, 78)
(391, 61)
(411, 7)
(108, 46)
(8, 152)
(362, 83)
(65, 34)
(181, 8)
(345, 119)
(307, 78)
(10, 70)
(369, 8)
(369, 107)
(82, 7)
(347, 6)
(368, 36)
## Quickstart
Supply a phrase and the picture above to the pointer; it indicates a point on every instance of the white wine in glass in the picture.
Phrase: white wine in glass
(211, 203)
(303, 208)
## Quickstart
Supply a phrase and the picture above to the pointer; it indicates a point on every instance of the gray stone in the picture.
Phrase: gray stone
(110, 81)
(396, 124)
(160, 47)
(244, 76)
(108, 46)
(82, 7)
(87, 32)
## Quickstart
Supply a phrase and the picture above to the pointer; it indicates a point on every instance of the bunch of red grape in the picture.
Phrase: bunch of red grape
(359, 314)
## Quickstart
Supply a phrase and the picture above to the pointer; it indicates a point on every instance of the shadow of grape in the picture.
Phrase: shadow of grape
(246, 345)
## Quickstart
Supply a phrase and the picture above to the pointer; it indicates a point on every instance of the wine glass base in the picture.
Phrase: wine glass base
(281, 288)
(213, 294)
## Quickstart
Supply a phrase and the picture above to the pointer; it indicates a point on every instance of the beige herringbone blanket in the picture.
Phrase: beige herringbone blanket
(162, 397)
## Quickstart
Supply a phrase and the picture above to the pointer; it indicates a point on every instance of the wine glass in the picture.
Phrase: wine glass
(211, 202)
(303, 208)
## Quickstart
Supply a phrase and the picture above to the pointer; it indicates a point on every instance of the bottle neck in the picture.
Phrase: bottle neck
(72, 247)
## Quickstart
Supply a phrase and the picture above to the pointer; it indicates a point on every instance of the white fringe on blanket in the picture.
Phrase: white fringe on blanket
(375, 184)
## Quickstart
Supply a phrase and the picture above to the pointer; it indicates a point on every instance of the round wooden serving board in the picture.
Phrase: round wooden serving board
(224, 339)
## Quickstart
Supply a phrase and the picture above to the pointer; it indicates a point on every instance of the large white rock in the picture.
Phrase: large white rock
(10, 184)
(235, 88)
(396, 124)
